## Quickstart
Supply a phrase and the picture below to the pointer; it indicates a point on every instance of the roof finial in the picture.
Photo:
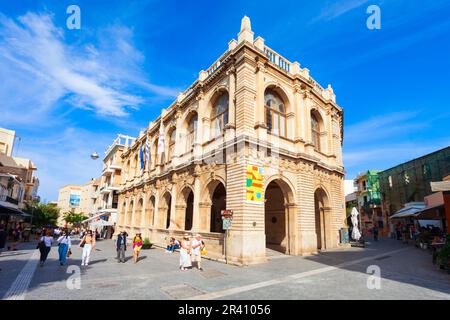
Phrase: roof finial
(246, 24)
(246, 33)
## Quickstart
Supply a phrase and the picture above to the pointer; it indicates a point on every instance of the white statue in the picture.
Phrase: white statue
(355, 232)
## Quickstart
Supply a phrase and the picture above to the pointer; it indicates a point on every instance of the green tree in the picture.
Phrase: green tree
(74, 218)
(42, 214)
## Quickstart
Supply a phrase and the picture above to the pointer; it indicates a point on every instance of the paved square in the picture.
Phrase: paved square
(406, 273)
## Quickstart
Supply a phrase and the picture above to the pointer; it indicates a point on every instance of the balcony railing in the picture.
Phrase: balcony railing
(277, 59)
(9, 199)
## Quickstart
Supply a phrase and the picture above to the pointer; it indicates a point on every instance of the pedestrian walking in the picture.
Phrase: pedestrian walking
(88, 243)
(64, 244)
(44, 246)
(185, 253)
(16, 234)
(2, 238)
(196, 256)
(137, 246)
(375, 233)
(121, 246)
(405, 232)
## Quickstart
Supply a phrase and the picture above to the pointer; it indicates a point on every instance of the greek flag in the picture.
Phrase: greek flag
(161, 139)
(141, 155)
(147, 151)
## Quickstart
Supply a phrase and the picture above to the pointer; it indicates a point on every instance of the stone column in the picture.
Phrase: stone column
(173, 209)
(197, 197)
(230, 127)
(260, 123)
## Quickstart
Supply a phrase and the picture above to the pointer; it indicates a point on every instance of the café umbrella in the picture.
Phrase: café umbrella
(355, 231)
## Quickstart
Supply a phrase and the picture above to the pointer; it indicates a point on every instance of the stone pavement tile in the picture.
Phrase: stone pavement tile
(12, 262)
(157, 272)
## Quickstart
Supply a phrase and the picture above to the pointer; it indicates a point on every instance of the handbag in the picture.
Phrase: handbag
(83, 242)
(69, 253)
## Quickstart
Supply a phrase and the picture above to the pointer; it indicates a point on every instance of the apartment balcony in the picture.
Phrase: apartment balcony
(8, 199)
(104, 190)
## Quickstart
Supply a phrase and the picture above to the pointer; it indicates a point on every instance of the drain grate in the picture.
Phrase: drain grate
(211, 273)
(181, 291)
(383, 257)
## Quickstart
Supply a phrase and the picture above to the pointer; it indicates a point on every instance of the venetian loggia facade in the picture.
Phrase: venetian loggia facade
(251, 109)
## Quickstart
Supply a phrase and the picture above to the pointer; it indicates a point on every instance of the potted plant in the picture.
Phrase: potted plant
(146, 244)
(422, 240)
(443, 256)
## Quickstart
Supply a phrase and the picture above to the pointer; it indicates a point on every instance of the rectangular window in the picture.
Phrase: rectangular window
(282, 126)
(276, 121)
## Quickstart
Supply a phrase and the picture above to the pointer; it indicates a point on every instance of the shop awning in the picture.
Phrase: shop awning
(12, 211)
(434, 212)
(101, 223)
(409, 211)
(95, 217)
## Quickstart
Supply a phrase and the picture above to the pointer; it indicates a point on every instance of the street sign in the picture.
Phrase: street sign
(226, 224)
(227, 214)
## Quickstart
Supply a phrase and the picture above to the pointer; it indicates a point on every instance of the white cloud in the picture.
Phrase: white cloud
(42, 72)
(338, 9)
(64, 158)
(390, 139)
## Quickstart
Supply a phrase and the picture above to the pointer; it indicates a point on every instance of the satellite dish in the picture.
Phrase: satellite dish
(94, 156)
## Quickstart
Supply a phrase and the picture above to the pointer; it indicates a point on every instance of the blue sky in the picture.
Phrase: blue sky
(68, 93)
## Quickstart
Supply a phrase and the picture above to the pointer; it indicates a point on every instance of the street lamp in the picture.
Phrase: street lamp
(94, 156)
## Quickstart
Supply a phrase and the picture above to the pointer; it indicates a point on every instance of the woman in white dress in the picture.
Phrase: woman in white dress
(185, 253)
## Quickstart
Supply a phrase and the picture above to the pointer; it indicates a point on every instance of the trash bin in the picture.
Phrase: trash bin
(344, 235)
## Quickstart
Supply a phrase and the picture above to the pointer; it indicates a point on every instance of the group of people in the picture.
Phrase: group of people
(191, 252)
(64, 242)
(121, 246)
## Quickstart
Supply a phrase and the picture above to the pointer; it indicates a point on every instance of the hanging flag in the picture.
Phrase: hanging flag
(161, 140)
(147, 151)
(141, 155)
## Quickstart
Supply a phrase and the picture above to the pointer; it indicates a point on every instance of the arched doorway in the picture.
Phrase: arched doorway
(130, 213)
(166, 210)
(276, 218)
(321, 218)
(150, 212)
(138, 213)
(218, 203)
(189, 211)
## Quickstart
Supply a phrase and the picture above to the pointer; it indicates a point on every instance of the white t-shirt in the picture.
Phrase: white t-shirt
(47, 240)
(196, 250)
(64, 240)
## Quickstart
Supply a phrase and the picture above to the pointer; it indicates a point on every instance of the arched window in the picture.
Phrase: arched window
(219, 115)
(155, 154)
(135, 166)
(191, 132)
(275, 113)
(172, 137)
(315, 131)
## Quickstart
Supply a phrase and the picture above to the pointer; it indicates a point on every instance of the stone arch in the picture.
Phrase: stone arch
(186, 207)
(276, 87)
(122, 213)
(279, 122)
(165, 214)
(280, 215)
(149, 219)
(322, 214)
(130, 212)
(187, 134)
(317, 114)
(138, 212)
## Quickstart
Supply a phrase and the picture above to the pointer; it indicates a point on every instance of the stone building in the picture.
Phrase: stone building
(254, 134)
